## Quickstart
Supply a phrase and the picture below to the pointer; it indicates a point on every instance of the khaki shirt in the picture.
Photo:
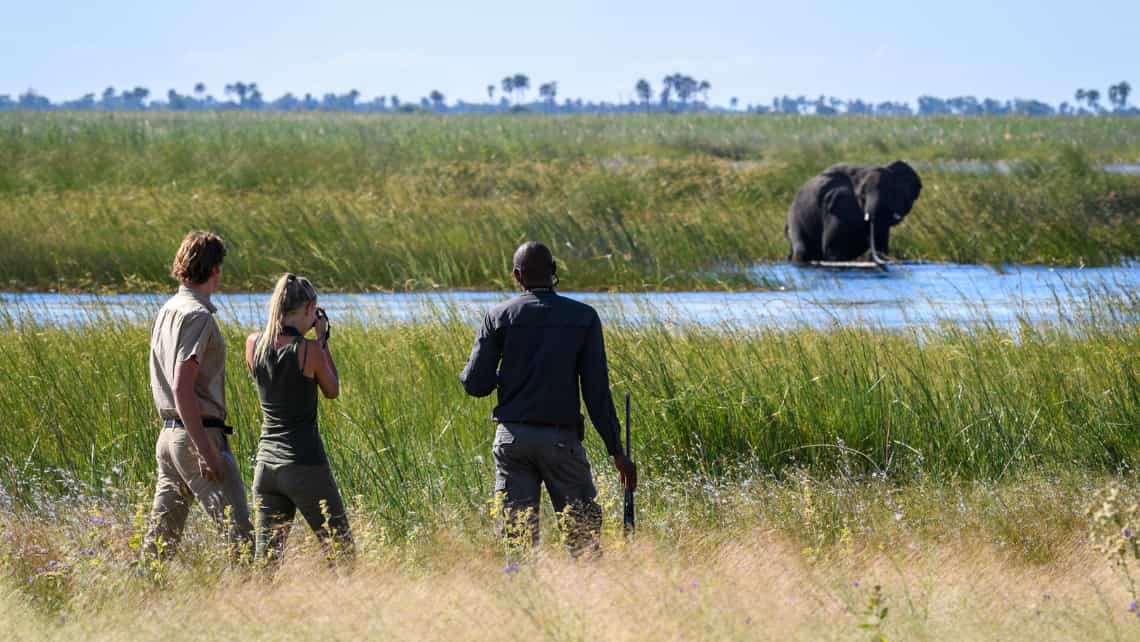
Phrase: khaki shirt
(186, 328)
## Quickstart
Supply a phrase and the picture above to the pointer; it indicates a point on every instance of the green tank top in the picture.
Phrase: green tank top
(288, 398)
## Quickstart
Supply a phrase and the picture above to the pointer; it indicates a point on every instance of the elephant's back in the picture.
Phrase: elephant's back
(811, 202)
(854, 173)
(833, 187)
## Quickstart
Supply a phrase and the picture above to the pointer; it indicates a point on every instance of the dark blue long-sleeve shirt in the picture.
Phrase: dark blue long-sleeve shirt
(538, 349)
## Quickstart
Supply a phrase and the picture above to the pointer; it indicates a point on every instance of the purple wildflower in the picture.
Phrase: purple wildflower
(87, 551)
(1127, 533)
(1132, 606)
(31, 578)
(748, 620)
(855, 584)
(40, 571)
(693, 584)
(510, 568)
(98, 521)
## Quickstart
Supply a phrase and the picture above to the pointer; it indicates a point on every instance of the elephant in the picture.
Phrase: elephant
(848, 209)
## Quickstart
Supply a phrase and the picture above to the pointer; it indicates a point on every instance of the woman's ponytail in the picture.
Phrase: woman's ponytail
(290, 293)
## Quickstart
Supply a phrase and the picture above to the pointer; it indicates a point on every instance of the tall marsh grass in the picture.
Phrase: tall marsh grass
(946, 404)
(99, 201)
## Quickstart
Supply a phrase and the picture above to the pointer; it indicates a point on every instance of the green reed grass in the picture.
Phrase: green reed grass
(99, 201)
(60, 151)
(944, 404)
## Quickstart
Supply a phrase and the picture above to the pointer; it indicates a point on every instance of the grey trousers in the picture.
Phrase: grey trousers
(528, 457)
(180, 482)
(279, 491)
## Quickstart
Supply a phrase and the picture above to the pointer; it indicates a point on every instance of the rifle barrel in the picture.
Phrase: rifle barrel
(628, 512)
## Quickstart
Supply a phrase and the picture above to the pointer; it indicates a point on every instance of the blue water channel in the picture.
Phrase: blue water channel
(907, 295)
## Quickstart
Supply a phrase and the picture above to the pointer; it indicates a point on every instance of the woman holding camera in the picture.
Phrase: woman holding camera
(292, 470)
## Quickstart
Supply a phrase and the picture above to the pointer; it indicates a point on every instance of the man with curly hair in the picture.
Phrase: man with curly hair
(188, 380)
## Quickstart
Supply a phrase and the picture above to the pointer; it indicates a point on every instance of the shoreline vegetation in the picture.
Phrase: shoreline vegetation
(92, 201)
(947, 403)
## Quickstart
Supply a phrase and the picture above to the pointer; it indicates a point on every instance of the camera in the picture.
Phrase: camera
(328, 327)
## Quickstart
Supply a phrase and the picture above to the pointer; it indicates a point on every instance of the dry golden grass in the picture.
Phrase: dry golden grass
(1010, 561)
(746, 584)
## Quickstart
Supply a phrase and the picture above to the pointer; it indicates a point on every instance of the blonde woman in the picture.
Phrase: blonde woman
(292, 469)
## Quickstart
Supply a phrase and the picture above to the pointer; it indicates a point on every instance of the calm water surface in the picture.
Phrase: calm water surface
(908, 295)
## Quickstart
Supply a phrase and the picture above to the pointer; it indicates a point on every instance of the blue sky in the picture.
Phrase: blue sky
(593, 49)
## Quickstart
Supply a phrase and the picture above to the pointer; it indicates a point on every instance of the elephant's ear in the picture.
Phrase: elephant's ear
(840, 199)
(904, 174)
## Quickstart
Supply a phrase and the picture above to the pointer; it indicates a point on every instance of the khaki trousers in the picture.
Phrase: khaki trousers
(180, 482)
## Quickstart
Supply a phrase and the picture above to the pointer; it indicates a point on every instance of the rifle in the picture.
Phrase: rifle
(628, 509)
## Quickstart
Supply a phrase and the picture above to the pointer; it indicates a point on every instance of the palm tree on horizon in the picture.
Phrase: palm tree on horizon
(521, 83)
(509, 85)
(548, 91)
(644, 91)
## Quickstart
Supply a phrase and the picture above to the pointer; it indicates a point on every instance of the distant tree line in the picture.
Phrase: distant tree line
(677, 93)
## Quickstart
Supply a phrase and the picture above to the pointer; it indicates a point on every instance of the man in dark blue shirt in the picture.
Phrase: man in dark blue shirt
(537, 350)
